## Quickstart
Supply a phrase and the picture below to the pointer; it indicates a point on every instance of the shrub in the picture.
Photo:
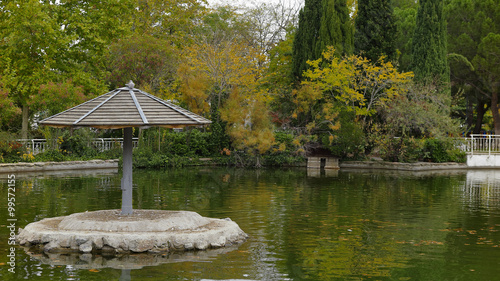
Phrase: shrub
(10, 149)
(443, 150)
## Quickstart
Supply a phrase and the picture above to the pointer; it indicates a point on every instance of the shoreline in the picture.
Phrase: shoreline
(399, 166)
(113, 164)
(58, 166)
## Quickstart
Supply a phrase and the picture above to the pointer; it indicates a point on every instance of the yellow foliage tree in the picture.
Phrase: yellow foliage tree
(355, 82)
(249, 124)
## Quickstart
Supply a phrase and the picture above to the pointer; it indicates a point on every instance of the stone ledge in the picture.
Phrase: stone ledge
(418, 166)
(58, 166)
(49, 235)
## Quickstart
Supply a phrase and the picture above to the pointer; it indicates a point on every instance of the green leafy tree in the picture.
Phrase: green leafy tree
(172, 20)
(148, 61)
(48, 42)
(487, 63)
(375, 29)
(30, 36)
(469, 22)
(429, 50)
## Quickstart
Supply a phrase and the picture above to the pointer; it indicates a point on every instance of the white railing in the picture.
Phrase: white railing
(483, 144)
(40, 145)
(103, 144)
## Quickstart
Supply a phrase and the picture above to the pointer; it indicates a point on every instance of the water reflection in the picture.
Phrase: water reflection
(482, 189)
(124, 261)
(351, 225)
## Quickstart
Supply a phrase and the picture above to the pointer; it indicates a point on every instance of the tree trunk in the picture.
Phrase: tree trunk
(25, 122)
(469, 115)
(481, 110)
(494, 112)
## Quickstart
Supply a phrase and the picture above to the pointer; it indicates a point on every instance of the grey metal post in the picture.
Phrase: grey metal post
(127, 172)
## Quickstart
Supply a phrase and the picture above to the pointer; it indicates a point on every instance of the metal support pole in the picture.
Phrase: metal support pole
(127, 172)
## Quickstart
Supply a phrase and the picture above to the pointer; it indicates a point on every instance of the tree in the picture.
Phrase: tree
(469, 22)
(268, 24)
(304, 43)
(248, 124)
(219, 76)
(148, 61)
(429, 48)
(335, 28)
(55, 43)
(339, 96)
(172, 20)
(403, 36)
(375, 29)
(487, 62)
(355, 82)
(30, 36)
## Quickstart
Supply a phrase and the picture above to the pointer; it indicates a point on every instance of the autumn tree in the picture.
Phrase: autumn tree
(355, 82)
(340, 92)
(220, 64)
(249, 124)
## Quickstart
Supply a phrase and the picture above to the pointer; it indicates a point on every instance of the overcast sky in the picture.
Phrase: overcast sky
(250, 3)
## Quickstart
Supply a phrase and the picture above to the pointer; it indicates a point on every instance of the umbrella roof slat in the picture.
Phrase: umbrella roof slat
(138, 106)
(125, 107)
(95, 108)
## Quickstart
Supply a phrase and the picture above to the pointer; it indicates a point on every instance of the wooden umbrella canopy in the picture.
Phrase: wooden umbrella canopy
(125, 108)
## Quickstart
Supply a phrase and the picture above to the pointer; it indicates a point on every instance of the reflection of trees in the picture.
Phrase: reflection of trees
(356, 225)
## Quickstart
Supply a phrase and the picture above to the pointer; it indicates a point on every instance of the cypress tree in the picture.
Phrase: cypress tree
(306, 36)
(335, 28)
(429, 43)
(375, 29)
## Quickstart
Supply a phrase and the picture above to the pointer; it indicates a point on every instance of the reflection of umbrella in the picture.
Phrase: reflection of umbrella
(125, 108)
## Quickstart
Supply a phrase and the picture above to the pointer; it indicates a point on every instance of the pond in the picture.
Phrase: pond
(345, 225)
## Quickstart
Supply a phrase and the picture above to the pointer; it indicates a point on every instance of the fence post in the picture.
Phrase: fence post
(472, 144)
(489, 145)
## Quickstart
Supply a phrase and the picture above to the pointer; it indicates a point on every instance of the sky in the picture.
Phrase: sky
(250, 3)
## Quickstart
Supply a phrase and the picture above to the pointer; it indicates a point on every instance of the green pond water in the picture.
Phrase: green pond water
(346, 225)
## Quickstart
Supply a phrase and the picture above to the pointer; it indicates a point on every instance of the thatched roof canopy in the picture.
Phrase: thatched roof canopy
(125, 107)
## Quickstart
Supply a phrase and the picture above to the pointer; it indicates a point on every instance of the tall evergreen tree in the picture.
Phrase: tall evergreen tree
(306, 36)
(375, 29)
(322, 23)
(429, 42)
(335, 28)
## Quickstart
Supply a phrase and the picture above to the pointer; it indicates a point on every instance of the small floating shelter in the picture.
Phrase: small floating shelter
(126, 108)
(127, 230)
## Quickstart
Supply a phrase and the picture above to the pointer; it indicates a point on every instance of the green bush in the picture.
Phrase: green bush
(443, 150)
(52, 155)
(413, 150)
(145, 157)
(401, 149)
